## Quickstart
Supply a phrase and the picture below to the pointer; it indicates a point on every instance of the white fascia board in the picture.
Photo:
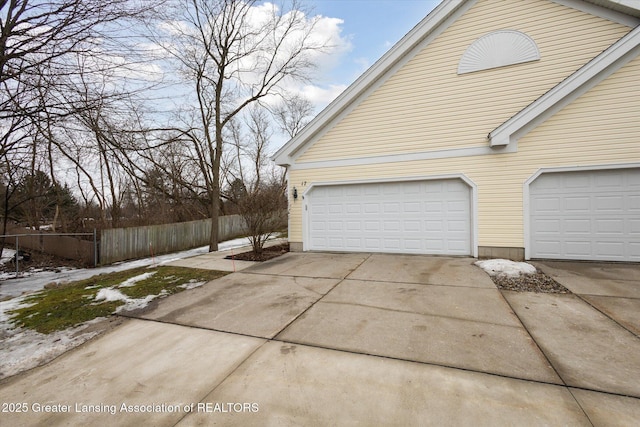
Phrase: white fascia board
(283, 156)
(596, 70)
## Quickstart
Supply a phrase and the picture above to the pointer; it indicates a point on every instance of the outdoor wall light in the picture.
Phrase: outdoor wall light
(295, 193)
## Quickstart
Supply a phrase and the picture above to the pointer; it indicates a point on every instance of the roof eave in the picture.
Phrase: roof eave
(284, 156)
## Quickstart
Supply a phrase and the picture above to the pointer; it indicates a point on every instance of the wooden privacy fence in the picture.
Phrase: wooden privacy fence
(64, 245)
(119, 244)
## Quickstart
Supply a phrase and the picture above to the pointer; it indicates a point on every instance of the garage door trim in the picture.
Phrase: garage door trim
(462, 177)
(532, 178)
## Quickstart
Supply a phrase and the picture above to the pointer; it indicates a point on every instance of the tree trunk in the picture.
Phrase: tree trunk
(213, 239)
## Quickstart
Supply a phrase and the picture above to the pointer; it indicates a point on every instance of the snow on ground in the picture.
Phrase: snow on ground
(29, 282)
(498, 267)
(132, 281)
(112, 294)
(7, 255)
(192, 284)
(22, 349)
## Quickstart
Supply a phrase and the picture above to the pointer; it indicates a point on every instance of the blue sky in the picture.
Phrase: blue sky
(372, 27)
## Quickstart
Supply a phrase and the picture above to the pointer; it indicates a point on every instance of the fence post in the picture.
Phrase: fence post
(17, 256)
(95, 248)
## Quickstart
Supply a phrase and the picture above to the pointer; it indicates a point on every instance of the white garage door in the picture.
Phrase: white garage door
(590, 215)
(422, 217)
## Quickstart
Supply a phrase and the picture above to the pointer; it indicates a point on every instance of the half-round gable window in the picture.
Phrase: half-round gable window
(498, 49)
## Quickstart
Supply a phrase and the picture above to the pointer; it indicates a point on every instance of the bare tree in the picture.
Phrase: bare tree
(293, 114)
(263, 210)
(45, 47)
(235, 54)
(40, 41)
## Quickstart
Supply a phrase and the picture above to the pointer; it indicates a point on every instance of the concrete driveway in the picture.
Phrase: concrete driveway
(331, 339)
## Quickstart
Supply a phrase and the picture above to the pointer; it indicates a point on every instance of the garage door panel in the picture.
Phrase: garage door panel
(410, 217)
(609, 226)
(581, 226)
(610, 203)
(590, 215)
(456, 226)
(372, 226)
(433, 206)
(547, 226)
(546, 204)
(372, 244)
(334, 226)
(411, 226)
(610, 181)
(577, 204)
(576, 181)
(456, 246)
(372, 190)
(392, 207)
(577, 248)
(435, 245)
(412, 207)
(353, 208)
(391, 245)
(610, 249)
(392, 226)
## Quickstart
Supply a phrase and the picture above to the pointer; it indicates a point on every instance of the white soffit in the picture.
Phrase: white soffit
(498, 49)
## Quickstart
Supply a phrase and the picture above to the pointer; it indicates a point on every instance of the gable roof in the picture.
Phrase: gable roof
(624, 11)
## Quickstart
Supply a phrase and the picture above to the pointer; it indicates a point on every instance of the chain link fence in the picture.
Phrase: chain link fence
(77, 246)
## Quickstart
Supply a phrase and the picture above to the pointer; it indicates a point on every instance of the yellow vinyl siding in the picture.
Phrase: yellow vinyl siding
(427, 106)
(599, 128)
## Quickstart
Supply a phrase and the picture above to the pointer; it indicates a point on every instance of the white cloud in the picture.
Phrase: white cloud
(321, 96)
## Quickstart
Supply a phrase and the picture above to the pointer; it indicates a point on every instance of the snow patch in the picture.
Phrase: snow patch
(7, 255)
(6, 307)
(192, 284)
(110, 294)
(505, 267)
(22, 349)
(135, 304)
(134, 280)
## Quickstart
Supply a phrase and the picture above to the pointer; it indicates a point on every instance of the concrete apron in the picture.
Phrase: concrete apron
(324, 338)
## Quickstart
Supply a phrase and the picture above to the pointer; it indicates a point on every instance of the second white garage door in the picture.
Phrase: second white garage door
(586, 215)
(421, 217)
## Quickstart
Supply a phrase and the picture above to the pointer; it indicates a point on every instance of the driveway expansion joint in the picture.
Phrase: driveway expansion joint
(604, 313)
(540, 349)
(275, 339)
(393, 310)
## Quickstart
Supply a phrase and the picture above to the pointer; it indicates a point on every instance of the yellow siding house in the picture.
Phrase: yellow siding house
(495, 128)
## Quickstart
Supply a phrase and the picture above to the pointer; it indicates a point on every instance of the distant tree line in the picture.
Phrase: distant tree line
(89, 138)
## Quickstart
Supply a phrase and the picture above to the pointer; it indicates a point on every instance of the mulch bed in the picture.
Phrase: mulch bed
(267, 253)
(538, 282)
